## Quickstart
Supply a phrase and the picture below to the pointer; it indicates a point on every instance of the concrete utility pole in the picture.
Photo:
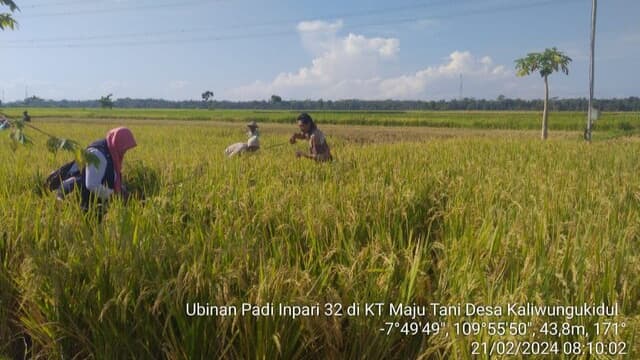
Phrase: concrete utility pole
(587, 133)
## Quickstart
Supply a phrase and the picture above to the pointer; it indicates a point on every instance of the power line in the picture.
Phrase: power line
(58, 3)
(76, 42)
(208, 38)
(240, 26)
(155, 6)
(182, 4)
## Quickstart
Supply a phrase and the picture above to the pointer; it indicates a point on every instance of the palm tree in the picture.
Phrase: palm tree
(207, 97)
(6, 20)
(548, 62)
(106, 102)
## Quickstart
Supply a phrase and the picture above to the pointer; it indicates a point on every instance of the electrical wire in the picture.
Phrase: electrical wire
(126, 40)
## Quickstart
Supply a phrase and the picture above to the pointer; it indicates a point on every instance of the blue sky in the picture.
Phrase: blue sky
(249, 50)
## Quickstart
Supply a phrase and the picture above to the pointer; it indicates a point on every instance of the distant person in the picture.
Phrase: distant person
(253, 144)
(25, 116)
(318, 147)
(4, 122)
(98, 183)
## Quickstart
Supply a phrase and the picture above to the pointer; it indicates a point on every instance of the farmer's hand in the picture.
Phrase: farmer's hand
(299, 153)
(292, 139)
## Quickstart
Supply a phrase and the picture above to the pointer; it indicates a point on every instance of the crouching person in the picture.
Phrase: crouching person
(98, 182)
(253, 144)
(318, 147)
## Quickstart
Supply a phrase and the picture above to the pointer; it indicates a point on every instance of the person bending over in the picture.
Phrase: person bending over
(98, 182)
(318, 147)
(253, 144)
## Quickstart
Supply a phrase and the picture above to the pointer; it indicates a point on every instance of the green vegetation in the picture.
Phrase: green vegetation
(488, 221)
(546, 63)
(569, 121)
(501, 103)
(6, 19)
(106, 102)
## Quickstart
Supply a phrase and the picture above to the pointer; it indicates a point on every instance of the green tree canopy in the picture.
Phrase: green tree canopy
(207, 95)
(106, 102)
(6, 20)
(276, 99)
(207, 98)
(546, 63)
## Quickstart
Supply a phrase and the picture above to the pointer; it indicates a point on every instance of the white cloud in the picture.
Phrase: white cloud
(319, 37)
(434, 79)
(351, 67)
(178, 84)
(319, 26)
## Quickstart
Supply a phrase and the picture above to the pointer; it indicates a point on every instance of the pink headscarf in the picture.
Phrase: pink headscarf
(119, 140)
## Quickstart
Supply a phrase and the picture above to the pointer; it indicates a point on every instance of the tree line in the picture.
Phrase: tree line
(498, 104)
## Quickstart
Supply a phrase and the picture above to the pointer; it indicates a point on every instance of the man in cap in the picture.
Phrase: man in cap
(253, 144)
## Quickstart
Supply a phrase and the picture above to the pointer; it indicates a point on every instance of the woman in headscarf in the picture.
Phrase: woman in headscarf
(318, 147)
(97, 182)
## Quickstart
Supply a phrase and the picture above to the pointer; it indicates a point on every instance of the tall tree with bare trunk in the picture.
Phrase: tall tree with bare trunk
(546, 63)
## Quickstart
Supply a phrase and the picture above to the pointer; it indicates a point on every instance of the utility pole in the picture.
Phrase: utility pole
(587, 132)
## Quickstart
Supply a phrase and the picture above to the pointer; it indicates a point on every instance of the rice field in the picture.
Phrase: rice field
(405, 217)
(512, 120)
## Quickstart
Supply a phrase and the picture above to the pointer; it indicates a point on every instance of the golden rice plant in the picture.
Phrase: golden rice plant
(486, 221)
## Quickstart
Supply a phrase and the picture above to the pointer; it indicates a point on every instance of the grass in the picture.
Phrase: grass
(488, 218)
(514, 120)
